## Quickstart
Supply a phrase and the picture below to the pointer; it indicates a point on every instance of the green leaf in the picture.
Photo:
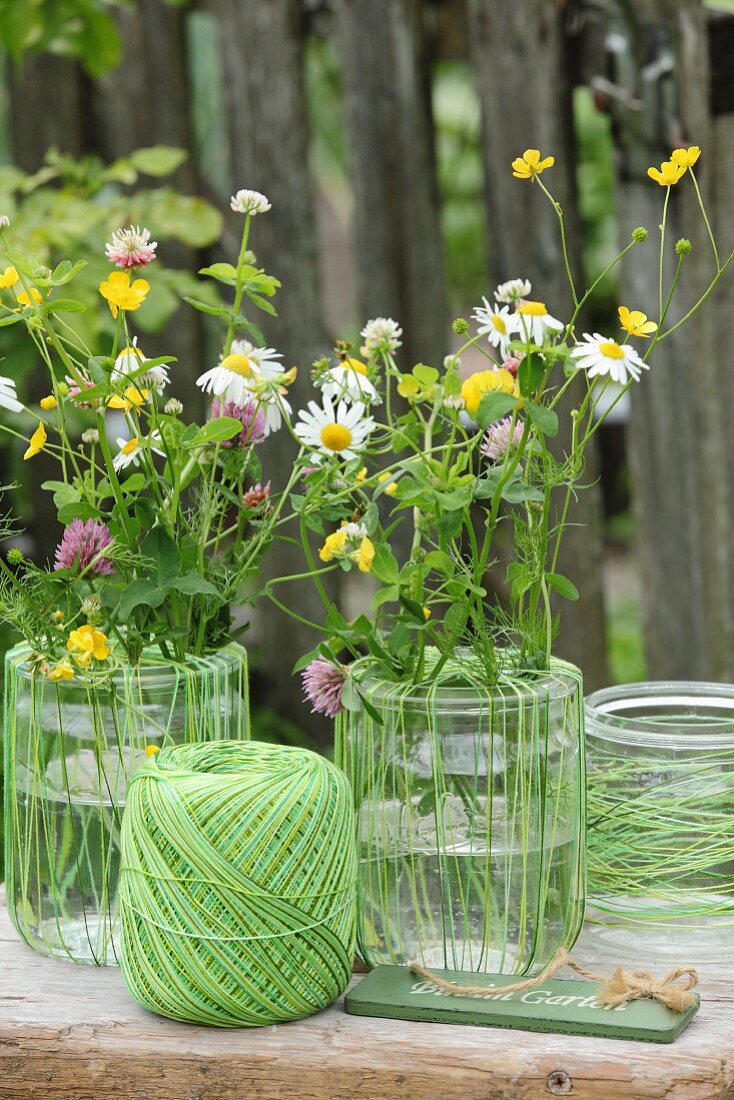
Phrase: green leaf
(204, 307)
(545, 420)
(158, 160)
(516, 492)
(64, 305)
(65, 271)
(530, 373)
(192, 584)
(218, 430)
(164, 554)
(76, 510)
(223, 273)
(351, 699)
(493, 407)
(262, 303)
(562, 585)
(441, 562)
(142, 592)
(384, 565)
(425, 375)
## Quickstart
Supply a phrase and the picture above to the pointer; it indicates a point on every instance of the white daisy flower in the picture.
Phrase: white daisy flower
(534, 321)
(130, 360)
(237, 375)
(513, 290)
(8, 397)
(275, 407)
(349, 379)
(131, 450)
(382, 334)
(340, 430)
(497, 323)
(606, 358)
(249, 202)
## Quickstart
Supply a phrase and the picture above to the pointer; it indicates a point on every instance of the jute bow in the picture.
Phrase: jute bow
(623, 986)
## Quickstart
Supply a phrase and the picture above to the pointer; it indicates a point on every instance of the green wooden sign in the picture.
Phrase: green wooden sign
(556, 1005)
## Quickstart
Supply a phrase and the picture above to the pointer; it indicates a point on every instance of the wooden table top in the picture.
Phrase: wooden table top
(73, 1033)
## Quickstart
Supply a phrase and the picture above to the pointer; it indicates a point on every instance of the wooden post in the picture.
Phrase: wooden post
(262, 57)
(523, 74)
(147, 102)
(393, 172)
(678, 440)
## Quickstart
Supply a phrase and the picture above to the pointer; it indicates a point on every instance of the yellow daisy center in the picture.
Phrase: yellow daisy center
(499, 323)
(610, 349)
(237, 364)
(532, 309)
(336, 437)
(130, 446)
(355, 365)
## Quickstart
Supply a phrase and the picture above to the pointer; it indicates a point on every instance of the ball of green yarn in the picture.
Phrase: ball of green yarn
(237, 884)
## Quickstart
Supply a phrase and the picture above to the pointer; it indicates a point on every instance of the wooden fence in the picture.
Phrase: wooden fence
(661, 67)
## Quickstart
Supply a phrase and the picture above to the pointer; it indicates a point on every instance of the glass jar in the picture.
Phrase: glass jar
(69, 749)
(660, 817)
(470, 812)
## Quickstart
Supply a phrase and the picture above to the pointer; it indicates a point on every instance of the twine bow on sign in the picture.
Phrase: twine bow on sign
(618, 989)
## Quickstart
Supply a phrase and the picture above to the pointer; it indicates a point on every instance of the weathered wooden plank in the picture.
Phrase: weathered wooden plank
(72, 1033)
(262, 57)
(679, 428)
(523, 75)
(389, 124)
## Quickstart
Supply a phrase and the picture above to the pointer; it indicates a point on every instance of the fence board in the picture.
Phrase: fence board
(519, 52)
(262, 58)
(393, 174)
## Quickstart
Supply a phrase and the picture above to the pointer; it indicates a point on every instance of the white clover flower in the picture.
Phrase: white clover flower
(130, 360)
(454, 401)
(90, 435)
(513, 290)
(131, 247)
(382, 334)
(535, 322)
(249, 202)
(497, 323)
(8, 397)
(4, 221)
(131, 450)
(334, 430)
(604, 358)
(348, 379)
(173, 407)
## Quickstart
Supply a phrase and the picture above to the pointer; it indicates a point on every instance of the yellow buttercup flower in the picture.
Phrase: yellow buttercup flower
(365, 555)
(333, 545)
(151, 750)
(48, 403)
(133, 396)
(23, 300)
(36, 443)
(667, 174)
(477, 385)
(8, 278)
(635, 322)
(686, 158)
(530, 165)
(86, 643)
(62, 671)
(121, 294)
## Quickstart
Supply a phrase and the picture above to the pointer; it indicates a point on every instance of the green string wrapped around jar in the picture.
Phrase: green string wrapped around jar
(237, 884)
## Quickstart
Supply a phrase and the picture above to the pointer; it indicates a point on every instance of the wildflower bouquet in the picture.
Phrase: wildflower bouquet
(455, 460)
(163, 520)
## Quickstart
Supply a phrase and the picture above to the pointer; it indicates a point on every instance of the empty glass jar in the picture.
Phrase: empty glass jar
(660, 813)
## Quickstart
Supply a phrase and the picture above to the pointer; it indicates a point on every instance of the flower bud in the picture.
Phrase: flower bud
(683, 246)
(460, 326)
(640, 234)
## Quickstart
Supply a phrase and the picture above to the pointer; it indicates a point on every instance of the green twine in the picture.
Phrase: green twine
(237, 884)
